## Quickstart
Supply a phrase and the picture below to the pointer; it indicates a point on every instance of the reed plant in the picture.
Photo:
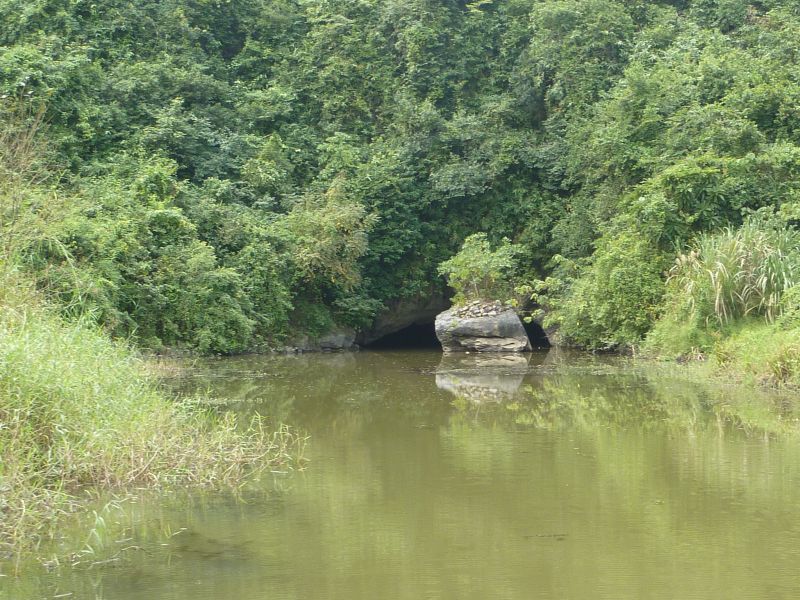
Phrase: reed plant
(734, 300)
(739, 273)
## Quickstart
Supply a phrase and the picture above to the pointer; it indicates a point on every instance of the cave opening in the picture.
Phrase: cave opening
(422, 336)
(417, 336)
(536, 335)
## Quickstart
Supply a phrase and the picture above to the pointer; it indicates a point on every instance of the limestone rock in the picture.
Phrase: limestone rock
(341, 338)
(473, 327)
(338, 338)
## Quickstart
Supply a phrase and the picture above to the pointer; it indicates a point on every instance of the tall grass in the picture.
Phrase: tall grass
(738, 273)
(79, 411)
(734, 299)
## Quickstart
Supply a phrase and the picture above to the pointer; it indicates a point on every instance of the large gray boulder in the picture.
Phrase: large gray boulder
(481, 327)
(338, 338)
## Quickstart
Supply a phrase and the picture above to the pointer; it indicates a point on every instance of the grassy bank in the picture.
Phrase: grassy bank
(79, 412)
(751, 352)
(733, 302)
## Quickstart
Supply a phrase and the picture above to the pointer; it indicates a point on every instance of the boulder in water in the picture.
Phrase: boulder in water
(481, 327)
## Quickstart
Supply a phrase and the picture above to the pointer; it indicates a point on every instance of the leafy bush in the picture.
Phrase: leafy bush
(132, 258)
(479, 273)
(614, 300)
(328, 236)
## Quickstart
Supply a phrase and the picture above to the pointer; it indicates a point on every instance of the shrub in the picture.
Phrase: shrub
(616, 298)
(479, 273)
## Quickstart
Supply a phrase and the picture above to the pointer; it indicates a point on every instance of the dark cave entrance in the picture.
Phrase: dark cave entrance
(417, 336)
(536, 335)
(421, 336)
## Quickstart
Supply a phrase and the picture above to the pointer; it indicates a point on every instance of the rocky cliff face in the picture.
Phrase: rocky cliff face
(481, 327)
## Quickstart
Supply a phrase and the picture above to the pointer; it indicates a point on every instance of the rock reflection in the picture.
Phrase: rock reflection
(482, 377)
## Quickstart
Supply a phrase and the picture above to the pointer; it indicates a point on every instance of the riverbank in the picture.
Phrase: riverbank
(750, 352)
(80, 413)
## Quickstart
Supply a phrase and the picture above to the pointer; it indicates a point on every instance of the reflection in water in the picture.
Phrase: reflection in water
(482, 377)
(591, 479)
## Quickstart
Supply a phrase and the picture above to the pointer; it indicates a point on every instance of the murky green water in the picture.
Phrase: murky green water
(466, 477)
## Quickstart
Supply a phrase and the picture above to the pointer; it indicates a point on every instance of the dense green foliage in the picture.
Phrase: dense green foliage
(478, 272)
(240, 170)
(79, 411)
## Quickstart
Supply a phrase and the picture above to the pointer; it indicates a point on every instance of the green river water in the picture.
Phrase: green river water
(545, 476)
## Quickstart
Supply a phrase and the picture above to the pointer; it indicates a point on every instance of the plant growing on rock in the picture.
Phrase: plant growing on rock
(477, 272)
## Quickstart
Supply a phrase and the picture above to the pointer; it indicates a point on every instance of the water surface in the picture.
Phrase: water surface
(430, 477)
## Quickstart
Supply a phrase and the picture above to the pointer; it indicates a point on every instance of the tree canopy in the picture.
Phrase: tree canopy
(232, 171)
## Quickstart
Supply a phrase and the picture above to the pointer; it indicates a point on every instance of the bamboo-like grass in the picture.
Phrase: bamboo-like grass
(735, 299)
(738, 273)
